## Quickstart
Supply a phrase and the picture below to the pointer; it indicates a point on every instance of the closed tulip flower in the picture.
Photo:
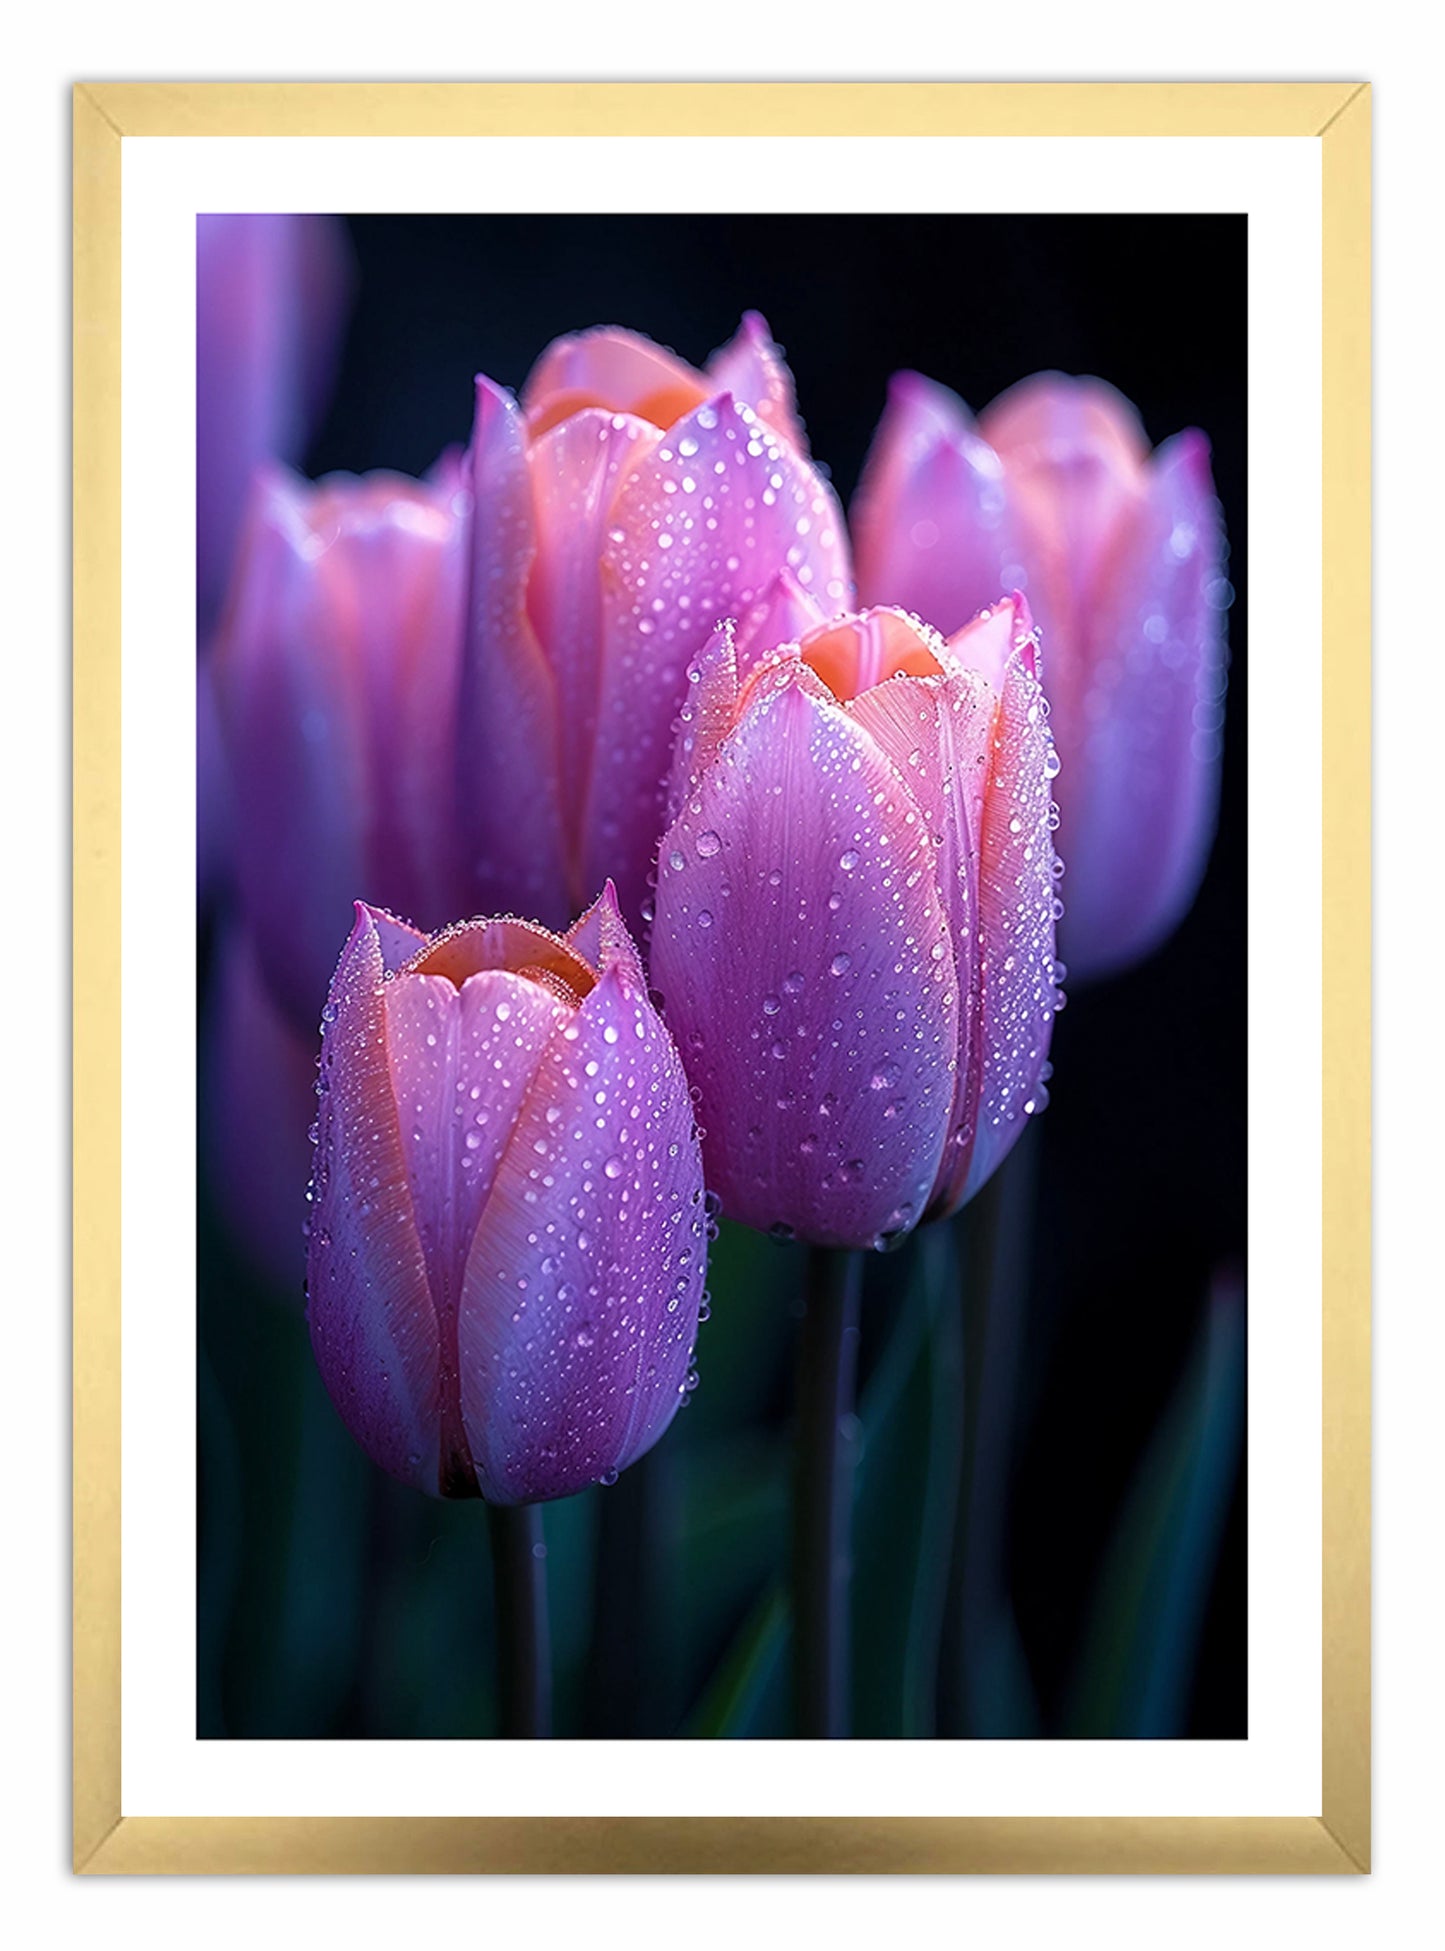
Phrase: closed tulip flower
(271, 296)
(622, 505)
(855, 917)
(337, 671)
(508, 1235)
(1121, 552)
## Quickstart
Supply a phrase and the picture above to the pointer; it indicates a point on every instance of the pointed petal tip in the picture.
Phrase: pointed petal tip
(601, 936)
(397, 941)
(491, 398)
(380, 917)
(1025, 636)
(905, 386)
(1192, 452)
(917, 395)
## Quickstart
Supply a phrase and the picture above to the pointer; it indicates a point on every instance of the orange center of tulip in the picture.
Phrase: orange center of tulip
(852, 656)
(516, 946)
(663, 406)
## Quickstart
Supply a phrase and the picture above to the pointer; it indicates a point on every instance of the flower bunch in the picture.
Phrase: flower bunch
(613, 647)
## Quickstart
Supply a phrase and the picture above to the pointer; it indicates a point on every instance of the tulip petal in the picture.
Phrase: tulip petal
(751, 367)
(373, 1325)
(397, 941)
(579, 1308)
(337, 675)
(988, 643)
(271, 294)
(706, 716)
(784, 614)
(803, 954)
(1014, 994)
(462, 1063)
(939, 735)
(390, 556)
(510, 791)
(577, 469)
(1140, 787)
(705, 522)
(292, 717)
(932, 525)
(409, 560)
(1050, 414)
(1074, 456)
(618, 371)
(601, 938)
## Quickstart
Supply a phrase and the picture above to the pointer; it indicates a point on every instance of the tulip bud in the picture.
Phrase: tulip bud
(508, 1236)
(623, 505)
(855, 917)
(270, 302)
(1122, 555)
(336, 676)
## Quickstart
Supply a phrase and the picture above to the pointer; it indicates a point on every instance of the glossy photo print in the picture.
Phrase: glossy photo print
(721, 851)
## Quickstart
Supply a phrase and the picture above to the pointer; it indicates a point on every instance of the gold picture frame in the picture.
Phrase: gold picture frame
(1336, 1838)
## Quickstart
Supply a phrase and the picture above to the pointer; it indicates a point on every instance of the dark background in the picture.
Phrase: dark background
(354, 1606)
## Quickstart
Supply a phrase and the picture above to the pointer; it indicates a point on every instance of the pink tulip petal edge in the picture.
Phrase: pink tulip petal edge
(854, 939)
(508, 1233)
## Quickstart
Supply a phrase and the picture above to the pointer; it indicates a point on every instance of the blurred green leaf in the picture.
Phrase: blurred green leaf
(1148, 1617)
(729, 1709)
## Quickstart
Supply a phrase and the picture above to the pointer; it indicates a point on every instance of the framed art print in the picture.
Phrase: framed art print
(721, 753)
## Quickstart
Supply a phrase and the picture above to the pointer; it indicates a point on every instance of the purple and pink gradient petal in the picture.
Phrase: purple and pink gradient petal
(271, 299)
(804, 960)
(374, 1326)
(336, 675)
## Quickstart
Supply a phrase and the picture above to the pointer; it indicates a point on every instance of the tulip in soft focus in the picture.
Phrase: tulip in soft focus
(508, 1236)
(336, 672)
(1121, 553)
(271, 296)
(622, 505)
(854, 939)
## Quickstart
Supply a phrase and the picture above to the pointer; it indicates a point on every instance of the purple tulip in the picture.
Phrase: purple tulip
(271, 296)
(508, 1238)
(1122, 555)
(336, 673)
(622, 506)
(855, 916)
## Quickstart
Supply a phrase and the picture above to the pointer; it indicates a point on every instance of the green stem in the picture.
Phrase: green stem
(524, 1663)
(997, 1238)
(823, 1497)
(629, 1660)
